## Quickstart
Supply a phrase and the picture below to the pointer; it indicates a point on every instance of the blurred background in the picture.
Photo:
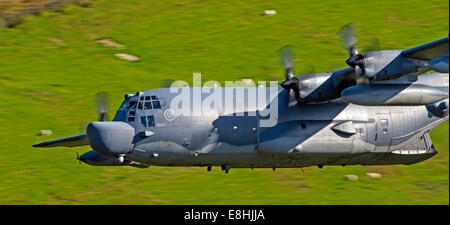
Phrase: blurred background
(55, 55)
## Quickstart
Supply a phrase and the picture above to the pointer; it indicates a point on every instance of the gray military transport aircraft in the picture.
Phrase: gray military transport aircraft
(378, 111)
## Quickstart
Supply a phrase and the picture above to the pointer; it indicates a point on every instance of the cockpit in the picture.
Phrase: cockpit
(139, 107)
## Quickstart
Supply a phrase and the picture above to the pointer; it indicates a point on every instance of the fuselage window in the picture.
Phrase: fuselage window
(131, 116)
(147, 121)
(143, 121)
(156, 105)
(151, 121)
(147, 103)
(141, 102)
(384, 124)
(155, 102)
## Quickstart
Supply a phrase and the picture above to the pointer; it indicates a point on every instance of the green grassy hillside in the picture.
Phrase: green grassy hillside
(51, 68)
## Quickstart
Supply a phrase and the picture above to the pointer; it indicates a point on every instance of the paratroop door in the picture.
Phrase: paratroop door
(384, 132)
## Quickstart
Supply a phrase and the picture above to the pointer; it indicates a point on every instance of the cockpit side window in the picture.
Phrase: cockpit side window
(143, 121)
(132, 105)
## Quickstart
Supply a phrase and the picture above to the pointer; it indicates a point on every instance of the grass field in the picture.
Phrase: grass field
(51, 68)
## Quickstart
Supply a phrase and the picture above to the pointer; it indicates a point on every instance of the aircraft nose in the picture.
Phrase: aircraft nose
(85, 157)
(110, 138)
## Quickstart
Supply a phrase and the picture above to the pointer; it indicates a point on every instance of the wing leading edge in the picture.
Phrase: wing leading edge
(72, 141)
(429, 50)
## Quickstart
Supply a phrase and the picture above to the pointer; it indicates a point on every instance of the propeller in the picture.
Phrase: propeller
(167, 83)
(102, 106)
(356, 60)
(373, 45)
(348, 36)
(291, 82)
(78, 158)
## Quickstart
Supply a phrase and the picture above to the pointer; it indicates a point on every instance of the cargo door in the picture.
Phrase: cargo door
(383, 135)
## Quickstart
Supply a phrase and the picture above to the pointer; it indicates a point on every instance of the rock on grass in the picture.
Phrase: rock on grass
(269, 13)
(373, 175)
(109, 43)
(351, 177)
(45, 132)
(127, 57)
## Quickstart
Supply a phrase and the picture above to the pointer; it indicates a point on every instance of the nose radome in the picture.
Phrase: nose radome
(110, 138)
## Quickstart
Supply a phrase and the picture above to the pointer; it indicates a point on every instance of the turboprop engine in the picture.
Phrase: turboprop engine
(315, 87)
(439, 64)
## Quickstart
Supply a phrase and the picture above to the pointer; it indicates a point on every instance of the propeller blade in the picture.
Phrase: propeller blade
(374, 45)
(291, 84)
(102, 106)
(349, 38)
(83, 125)
(167, 83)
(286, 60)
(356, 60)
(78, 158)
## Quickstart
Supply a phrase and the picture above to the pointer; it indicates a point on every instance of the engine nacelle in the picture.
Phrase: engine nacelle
(439, 109)
(394, 94)
(439, 64)
(320, 87)
(110, 138)
(383, 65)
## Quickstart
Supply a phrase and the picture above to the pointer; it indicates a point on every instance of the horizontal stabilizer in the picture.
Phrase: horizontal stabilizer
(429, 50)
(73, 141)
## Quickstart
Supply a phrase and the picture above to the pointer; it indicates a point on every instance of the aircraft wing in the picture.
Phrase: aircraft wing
(429, 50)
(72, 141)
(346, 75)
